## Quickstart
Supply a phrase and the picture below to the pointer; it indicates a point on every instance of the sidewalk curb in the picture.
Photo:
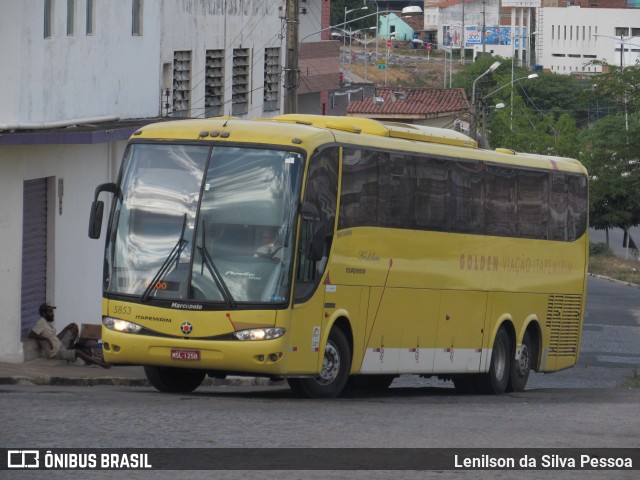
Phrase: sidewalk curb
(613, 280)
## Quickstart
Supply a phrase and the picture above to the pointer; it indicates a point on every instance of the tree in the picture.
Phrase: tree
(609, 151)
(529, 130)
(620, 84)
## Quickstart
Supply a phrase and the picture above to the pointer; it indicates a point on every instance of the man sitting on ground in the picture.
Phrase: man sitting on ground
(59, 347)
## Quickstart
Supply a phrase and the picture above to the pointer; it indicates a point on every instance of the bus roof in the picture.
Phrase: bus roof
(311, 131)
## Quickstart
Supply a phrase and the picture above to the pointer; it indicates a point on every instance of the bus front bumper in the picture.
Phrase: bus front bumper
(264, 357)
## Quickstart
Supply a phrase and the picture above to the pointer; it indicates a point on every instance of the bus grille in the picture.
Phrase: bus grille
(563, 323)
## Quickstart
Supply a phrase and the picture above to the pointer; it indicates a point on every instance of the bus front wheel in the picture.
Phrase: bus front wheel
(174, 380)
(497, 379)
(333, 377)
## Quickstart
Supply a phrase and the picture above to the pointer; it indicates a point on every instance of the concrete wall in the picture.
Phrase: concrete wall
(67, 77)
(200, 25)
(75, 268)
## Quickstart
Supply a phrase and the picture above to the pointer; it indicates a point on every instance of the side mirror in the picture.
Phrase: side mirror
(97, 209)
(95, 219)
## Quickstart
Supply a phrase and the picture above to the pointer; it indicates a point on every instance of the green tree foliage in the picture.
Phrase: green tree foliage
(610, 153)
(528, 130)
(618, 84)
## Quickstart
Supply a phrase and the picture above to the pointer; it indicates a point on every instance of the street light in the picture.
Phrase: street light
(528, 77)
(377, 25)
(492, 68)
(533, 75)
(483, 140)
(622, 44)
(346, 12)
(365, 42)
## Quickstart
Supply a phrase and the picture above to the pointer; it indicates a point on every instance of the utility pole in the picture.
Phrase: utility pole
(292, 20)
(462, 36)
(484, 25)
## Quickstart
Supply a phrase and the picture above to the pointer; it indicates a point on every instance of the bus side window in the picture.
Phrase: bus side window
(558, 204)
(318, 221)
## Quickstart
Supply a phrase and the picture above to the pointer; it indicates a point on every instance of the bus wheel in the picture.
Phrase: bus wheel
(521, 368)
(335, 370)
(374, 383)
(174, 380)
(496, 381)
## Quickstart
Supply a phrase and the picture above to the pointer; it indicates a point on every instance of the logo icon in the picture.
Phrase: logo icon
(186, 328)
(23, 459)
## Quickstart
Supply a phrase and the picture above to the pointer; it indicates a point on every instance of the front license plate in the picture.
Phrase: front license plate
(185, 354)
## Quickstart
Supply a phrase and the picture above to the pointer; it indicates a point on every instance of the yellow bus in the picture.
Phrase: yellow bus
(339, 252)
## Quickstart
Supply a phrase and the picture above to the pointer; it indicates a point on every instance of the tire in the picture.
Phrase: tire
(496, 381)
(521, 368)
(335, 370)
(174, 380)
(373, 383)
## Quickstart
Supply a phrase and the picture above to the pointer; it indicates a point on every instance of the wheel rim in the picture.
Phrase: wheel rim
(500, 364)
(523, 362)
(330, 364)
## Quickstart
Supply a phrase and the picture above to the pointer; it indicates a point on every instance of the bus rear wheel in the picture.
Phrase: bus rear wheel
(521, 368)
(333, 377)
(497, 379)
(174, 380)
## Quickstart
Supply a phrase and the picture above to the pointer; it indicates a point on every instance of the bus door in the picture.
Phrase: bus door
(460, 331)
(317, 225)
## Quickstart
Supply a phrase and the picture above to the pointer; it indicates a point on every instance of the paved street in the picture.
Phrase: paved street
(580, 407)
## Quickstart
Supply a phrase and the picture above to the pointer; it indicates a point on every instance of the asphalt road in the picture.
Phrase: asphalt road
(583, 407)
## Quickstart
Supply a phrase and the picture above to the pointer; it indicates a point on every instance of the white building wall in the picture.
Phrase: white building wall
(200, 25)
(108, 73)
(67, 77)
(75, 266)
(569, 40)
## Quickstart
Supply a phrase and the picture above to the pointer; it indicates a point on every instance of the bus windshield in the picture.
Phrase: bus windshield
(204, 224)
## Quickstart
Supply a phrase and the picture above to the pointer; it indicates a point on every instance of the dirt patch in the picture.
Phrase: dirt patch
(417, 70)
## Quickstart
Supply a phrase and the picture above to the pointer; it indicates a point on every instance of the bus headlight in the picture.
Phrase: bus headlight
(120, 325)
(259, 333)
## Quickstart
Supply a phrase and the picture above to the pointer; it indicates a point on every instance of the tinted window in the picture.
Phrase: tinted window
(422, 193)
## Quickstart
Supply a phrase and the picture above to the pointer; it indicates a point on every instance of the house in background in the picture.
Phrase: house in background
(401, 27)
(435, 107)
(84, 76)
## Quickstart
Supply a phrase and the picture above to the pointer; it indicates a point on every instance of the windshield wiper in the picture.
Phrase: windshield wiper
(164, 268)
(215, 273)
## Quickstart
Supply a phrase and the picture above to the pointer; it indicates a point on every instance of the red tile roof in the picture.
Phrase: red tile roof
(416, 22)
(417, 101)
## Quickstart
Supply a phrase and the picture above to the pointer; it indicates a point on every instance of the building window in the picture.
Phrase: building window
(635, 32)
(71, 17)
(90, 16)
(240, 85)
(48, 17)
(271, 79)
(214, 88)
(622, 31)
(136, 17)
(181, 83)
